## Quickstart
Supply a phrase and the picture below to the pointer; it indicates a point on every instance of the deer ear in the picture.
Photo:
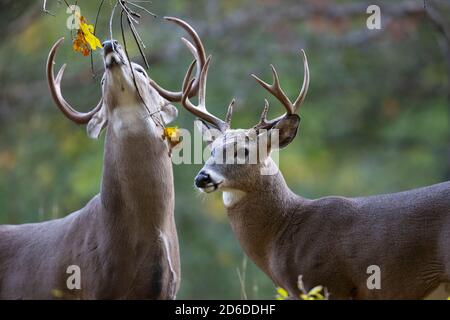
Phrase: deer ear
(168, 112)
(97, 123)
(287, 130)
(209, 133)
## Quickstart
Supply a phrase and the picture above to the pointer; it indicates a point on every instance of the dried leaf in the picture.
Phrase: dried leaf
(85, 39)
(172, 133)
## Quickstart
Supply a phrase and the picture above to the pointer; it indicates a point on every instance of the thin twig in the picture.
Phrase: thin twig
(142, 8)
(129, 13)
(157, 121)
(111, 20)
(44, 8)
(136, 38)
(95, 29)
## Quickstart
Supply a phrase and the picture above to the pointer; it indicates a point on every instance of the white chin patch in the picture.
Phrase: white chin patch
(216, 181)
(231, 197)
(209, 188)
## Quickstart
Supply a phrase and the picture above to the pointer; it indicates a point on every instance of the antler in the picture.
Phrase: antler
(276, 90)
(200, 111)
(199, 53)
(55, 89)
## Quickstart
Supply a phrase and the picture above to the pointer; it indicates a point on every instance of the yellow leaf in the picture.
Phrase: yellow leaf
(85, 39)
(172, 133)
(282, 294)
(319, 296)
(315, 290)
(88, 32)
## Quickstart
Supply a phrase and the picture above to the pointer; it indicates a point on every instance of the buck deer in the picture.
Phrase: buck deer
(124, 241)
(330, 241)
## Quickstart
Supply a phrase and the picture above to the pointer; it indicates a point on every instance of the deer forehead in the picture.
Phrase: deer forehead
(234, 136)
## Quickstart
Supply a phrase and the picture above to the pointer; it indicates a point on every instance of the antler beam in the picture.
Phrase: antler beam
(55, 89)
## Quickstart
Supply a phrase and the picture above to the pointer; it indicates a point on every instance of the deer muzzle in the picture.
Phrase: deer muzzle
(112, 54)
(205, 182)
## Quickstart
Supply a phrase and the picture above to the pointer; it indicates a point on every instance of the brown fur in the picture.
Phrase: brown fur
(331, 241)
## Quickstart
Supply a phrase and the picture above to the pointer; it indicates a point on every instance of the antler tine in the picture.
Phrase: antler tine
(276, 90)
(55, 90)
(199, 53)
(202, 84)
(187, 76)
(301, 97)
(229, 113)
(200, 111)
(263, 119)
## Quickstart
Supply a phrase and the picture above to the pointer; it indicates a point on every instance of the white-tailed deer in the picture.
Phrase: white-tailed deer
(124, 241)
(331, 241)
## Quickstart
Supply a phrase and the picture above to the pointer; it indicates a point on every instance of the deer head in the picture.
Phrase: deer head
(236, 160)
(125, 86)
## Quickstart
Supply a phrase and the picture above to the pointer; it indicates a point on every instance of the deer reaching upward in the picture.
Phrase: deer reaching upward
(330, 241)
(124, 241)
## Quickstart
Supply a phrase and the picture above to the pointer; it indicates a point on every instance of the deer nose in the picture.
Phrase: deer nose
(202, 179)
(109, 46)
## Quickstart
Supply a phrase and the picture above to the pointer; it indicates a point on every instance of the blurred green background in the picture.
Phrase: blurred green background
(376, 119)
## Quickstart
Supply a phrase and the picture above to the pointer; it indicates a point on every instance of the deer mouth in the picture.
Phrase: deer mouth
(113, 59)
(211, 187)
(207, 181)
(113, 54)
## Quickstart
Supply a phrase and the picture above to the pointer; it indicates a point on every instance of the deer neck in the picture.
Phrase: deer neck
(257, 216)
(137, 185)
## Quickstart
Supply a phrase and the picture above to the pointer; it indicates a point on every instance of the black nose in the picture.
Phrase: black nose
(109, 46)
(202, 179)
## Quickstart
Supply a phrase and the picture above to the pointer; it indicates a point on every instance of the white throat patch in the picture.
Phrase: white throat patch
(125, 120)
(232, 197)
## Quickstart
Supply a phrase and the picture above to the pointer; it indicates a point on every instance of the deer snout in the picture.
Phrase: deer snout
(208, 181)
(203, 180)
(109, 46)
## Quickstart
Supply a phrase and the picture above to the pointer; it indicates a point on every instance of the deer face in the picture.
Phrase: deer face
(240, 158)
(229, 165)
(125, 83)
(128, 94)
(122, 80)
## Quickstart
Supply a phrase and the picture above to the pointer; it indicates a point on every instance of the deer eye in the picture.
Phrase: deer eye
(246, 152)
(140, 70)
